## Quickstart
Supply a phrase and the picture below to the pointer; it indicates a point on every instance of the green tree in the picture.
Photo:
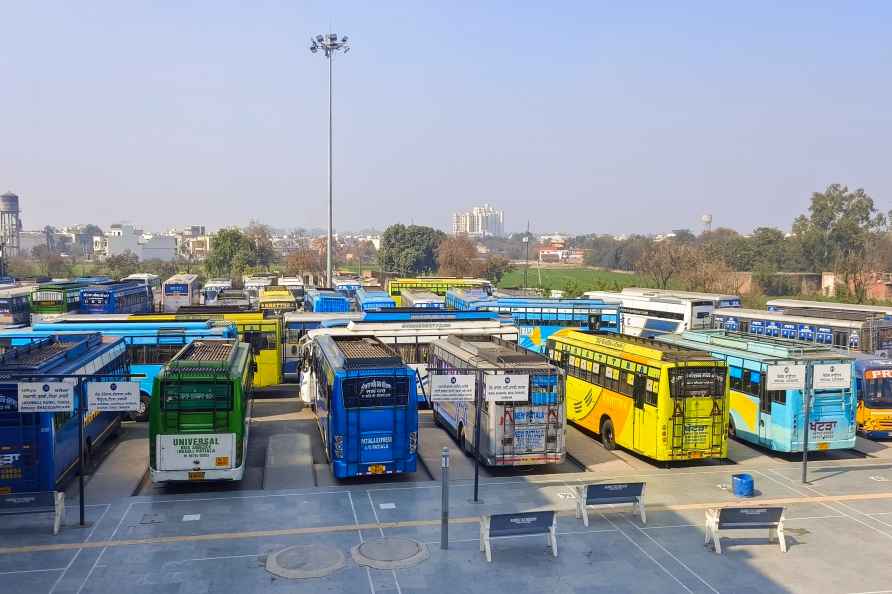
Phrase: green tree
(122, 265)
(409, 250)
(259, 237)
(231, 254)
(494, 268)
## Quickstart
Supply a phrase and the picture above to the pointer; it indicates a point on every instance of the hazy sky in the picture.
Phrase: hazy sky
(584, 116)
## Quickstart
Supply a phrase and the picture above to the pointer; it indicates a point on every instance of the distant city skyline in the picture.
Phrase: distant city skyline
(631, 119)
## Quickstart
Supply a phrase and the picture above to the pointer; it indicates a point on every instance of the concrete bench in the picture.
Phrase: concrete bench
(609, 494)
(517, 526)
(42, 502)
(745, 518)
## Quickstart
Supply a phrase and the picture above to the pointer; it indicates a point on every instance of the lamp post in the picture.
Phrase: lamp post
(329, 44)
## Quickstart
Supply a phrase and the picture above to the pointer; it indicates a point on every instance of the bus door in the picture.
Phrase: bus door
(377, 432)
(19, 448)
(640, 425)
(765, 420)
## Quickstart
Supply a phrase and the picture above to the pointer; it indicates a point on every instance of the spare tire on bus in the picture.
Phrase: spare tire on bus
(608, 437)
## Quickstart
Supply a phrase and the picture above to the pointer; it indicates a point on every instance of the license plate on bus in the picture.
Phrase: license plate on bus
(376, 469)
(696, 455)
(823, 446)
(196, 475)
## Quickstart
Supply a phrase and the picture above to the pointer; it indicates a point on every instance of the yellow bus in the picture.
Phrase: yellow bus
(264, 336)
(663, 402)
(434, 284)
(276, 301)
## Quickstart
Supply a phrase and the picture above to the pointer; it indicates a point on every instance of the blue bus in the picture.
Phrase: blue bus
(365, 406)
(373, 300)
(325, 300)
(297, 324)
(150, 345)
(14, 306)
(537, 318)
(774, 418)
(347, 286)
(122, 297)
(40, 450)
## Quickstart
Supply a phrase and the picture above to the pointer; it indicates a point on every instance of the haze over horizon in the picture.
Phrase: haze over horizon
(586, 117)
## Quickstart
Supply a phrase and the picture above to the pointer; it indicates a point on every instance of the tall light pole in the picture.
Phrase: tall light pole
(329, 45)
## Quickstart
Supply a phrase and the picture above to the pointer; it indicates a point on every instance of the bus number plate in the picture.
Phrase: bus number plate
(196, 475)
(823, 446)
(221, 461)
(376, 469)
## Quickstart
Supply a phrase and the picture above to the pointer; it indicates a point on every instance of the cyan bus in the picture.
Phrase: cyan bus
(774, 419)
(365, 407)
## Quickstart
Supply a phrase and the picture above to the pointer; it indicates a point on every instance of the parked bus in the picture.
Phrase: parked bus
(150, 345)
(212, 289)
(372, 300)
(198, 421)
(180, 290)
(297, 324)
(537, 318)
(873, 384)
(651, 315)
(276, 301)
(513, 433)
(794, 306)
(411, 332)
(857, 331)
(717, 299)
(325, 300)
(14, 306)
(295, 284)
(346, 286)
(774, 418)
(54, 298)
(231, 298)
(422, 299)
(40, 450)
(364, 398)
(253, 284)
(111, 298)
(434, 284)
(664, 402)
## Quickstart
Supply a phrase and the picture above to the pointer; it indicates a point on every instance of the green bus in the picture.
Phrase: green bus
(55, 298)
(199, 411)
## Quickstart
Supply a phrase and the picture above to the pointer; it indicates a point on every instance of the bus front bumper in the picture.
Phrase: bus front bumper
(211, 474)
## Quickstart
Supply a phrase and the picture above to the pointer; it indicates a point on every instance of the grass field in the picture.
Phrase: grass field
(586, 279)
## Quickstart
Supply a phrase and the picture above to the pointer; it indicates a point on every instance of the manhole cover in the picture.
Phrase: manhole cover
(390, 553)
(305, 561)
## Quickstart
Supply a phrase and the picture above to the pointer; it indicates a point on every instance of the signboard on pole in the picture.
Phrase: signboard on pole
(46, 397)
(452, 387)
(507, 388)
(785, 377)
(832, 376)
(113, 396)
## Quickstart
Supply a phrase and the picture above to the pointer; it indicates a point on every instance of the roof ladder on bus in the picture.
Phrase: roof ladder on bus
(719, 427)
(679, 414)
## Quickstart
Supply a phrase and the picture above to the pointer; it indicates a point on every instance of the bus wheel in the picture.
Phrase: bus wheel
(732, 430)
(607, 436)
(141, 414)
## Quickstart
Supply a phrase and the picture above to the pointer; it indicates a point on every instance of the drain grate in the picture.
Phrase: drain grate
(305, 561)
(390, 553)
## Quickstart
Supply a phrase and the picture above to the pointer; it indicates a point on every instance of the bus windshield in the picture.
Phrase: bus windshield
(375, 391)
(878, 388)
(196, 396)
(696, 381)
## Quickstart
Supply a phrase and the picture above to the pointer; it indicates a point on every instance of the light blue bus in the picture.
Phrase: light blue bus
(774, 419)
(150, 345)
(538, 318)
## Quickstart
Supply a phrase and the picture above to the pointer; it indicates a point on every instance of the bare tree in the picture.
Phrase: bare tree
(662, 260)
(456, 256)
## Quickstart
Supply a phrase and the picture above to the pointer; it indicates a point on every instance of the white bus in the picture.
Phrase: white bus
(253, 284)
(798, 306)
(411, 335)
(178, 291)
(295, 284)
(650, 316)
(718, 299)
(211, 290)
(425, 299)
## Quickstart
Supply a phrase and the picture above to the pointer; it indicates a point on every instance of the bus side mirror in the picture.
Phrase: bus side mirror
(253, 367)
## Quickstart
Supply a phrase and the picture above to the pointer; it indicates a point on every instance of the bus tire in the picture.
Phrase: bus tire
(608, 438)
(141, 415)
(732, 430)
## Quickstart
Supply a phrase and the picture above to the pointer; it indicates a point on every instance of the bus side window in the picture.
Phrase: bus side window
(640, 383)
(859, 389)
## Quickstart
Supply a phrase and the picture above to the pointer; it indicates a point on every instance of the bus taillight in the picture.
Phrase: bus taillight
(339, 446)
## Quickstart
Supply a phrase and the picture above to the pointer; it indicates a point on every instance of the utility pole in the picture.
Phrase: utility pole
(526, 268)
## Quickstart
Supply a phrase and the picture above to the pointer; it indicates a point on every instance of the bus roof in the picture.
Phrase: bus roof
(715, 297)
(56, 354)
(302, 317)
(776, 316)
(350, 352)
(16, 292)
(488, 352)
(205, 354)
(633, 345)
(182, 278)
(801, 303)
(764, 349)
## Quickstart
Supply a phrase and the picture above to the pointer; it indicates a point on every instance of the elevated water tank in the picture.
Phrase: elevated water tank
(10, 224)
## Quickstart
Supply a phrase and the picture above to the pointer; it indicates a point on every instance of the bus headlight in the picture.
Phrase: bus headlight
(339, 446)
(413, 442)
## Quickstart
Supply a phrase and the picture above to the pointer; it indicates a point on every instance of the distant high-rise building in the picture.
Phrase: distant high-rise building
(480, 221)
(10, 224)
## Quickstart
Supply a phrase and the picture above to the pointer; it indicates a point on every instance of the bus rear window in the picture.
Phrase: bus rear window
(196, 396)
(696, 381)
(368, 392)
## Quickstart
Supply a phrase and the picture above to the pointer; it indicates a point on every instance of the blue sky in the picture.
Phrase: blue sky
(580, 116)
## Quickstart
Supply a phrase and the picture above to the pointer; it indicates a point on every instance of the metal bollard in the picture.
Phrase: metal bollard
(444, 517)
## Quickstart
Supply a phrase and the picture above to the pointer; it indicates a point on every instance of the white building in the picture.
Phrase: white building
(480, 221)
(145, 246)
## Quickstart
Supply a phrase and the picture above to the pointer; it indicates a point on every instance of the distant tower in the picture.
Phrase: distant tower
(10, 225)
(707, 222)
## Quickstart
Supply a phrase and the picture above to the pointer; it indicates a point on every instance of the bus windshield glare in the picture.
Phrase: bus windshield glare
(878, 388)
(696, 381)
(196, 396)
